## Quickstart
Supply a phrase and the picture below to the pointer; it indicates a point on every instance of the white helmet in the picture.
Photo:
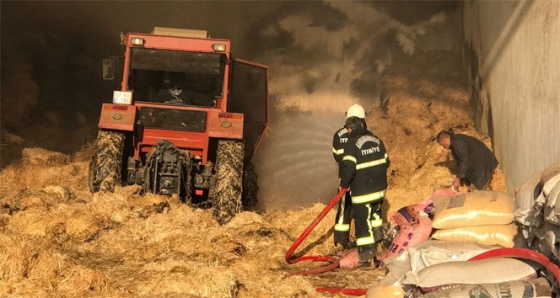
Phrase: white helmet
(356, 110)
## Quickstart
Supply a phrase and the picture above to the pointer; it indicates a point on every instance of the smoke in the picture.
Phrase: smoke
(333, 55)
(322, 57)
(19, 91)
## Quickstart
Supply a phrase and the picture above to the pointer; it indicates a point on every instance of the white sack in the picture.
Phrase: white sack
(420, 256)
(552, 206)
(533, 288)
(525, 198)
(493, 270)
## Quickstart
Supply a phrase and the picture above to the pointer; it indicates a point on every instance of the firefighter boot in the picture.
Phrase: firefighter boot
(341, 241)
(367, 255)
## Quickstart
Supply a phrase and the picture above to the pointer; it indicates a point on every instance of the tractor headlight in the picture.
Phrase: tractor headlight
(219, 47)
(137, 41)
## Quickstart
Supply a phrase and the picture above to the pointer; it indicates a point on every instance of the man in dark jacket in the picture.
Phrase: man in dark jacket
(364, 170)
(475, 162)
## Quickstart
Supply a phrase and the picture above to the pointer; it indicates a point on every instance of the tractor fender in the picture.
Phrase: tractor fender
(117, 117)
(225, 125)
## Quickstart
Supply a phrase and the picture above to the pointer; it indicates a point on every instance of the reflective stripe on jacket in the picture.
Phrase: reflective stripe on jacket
(364, 168)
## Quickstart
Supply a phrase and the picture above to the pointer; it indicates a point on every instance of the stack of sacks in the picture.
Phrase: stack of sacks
(417, 258)
(449, 275)
(536, 288)
(537, 211)
(483, 217)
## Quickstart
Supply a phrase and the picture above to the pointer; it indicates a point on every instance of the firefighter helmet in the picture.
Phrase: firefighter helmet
(355, 110)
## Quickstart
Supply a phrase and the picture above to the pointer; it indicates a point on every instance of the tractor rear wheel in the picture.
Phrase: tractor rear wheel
(105, 169)
(226, 193)
(250, 187)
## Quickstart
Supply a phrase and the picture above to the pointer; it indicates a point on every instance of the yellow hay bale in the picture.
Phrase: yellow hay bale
(46, 198)
(17, 177)
(14, 259)
(173, 277)
(498, 181)
(66, 274)
(30, 222)
(39, 156)
(83, 225)
(24, 289)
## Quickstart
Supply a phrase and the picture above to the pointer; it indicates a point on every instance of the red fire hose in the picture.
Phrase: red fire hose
(344, 291)
(333, 260)
(288, 257)
(523, 253)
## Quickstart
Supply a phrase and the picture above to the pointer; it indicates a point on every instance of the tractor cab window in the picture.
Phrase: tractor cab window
(176, 77)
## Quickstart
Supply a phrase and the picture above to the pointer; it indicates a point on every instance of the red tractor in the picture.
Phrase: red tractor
(186, 121)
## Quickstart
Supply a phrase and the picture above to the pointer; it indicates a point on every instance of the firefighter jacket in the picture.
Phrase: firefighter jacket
(364, 167)
(474, 160)
(340, 139)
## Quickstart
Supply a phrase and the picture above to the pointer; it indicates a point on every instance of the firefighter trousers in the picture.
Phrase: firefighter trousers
(342, 220)
(369, 227)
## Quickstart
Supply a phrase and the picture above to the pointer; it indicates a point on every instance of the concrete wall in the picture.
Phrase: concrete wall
(512, 53)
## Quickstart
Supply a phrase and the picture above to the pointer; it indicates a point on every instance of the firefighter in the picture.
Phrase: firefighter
(475, 162)
(344, 211)
(364, 170)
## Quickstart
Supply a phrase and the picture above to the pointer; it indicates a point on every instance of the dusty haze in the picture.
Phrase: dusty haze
(399, 60)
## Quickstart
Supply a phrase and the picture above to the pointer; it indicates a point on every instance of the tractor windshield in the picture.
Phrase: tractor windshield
(177, 77)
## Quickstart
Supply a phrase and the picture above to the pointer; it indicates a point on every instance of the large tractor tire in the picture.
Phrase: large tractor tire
(105, 169)
(226, 193)
(250, 187)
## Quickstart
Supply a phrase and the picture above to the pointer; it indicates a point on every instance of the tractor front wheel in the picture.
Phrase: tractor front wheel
(105, 169)
(226, 193)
